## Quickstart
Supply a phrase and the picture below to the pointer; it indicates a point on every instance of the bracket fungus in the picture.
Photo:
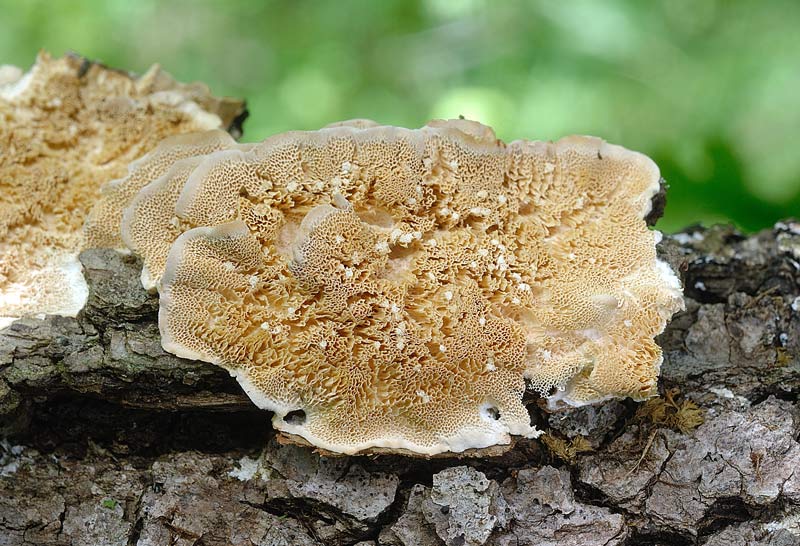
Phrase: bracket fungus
(380, 287)
(67, 126)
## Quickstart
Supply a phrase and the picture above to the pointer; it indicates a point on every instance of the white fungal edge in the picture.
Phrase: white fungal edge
(149, 282)
(670, 280)
(236, 228)
(196, 183)
(75, 292)
(76, 287)
(177, 99)
(496, 432)
(13, 83)
(562, 396)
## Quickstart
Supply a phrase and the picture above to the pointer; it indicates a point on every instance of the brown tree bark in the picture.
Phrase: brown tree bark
(107, 439)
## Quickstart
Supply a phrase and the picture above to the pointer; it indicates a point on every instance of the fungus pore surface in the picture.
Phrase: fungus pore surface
(67, 126)
(380, 287)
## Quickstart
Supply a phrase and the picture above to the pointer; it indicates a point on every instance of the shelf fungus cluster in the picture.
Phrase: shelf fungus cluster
(385, 288)
(67, 126)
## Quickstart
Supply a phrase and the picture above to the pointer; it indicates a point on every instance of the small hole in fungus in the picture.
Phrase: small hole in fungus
(296, 417)
(493, 412)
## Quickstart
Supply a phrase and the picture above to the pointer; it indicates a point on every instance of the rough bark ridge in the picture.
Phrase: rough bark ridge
(106, 439)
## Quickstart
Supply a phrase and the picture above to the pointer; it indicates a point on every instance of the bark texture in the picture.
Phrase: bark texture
(107, 439)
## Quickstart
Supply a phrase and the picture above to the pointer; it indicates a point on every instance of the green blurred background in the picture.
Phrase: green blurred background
(709, 89)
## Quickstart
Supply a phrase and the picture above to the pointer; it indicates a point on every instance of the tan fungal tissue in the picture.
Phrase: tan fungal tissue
(381, 287)
(66, 127)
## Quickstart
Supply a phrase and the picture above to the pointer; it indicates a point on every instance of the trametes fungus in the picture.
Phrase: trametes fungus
(67, 126)
(379, 287)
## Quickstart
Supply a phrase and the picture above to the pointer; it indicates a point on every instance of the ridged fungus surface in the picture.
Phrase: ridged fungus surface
(381, 287)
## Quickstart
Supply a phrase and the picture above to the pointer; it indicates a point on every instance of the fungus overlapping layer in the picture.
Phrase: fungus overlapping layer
(67, 126)
(383, 287)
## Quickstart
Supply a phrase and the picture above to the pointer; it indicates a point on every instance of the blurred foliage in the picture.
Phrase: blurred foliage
(708, 88)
